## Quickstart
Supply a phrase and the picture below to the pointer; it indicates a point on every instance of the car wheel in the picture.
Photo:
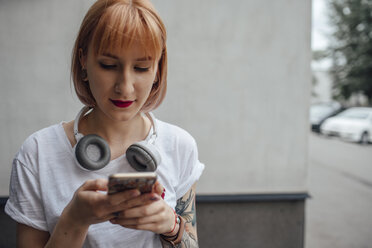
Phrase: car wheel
(364, 139)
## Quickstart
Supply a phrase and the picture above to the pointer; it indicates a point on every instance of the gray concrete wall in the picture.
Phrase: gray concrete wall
(7, 229)
(254, 224)
(239, 81)
(273, 224)
(36, 39)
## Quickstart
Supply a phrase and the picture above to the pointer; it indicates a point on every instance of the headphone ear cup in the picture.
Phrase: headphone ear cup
(143, 156)
(92, 152)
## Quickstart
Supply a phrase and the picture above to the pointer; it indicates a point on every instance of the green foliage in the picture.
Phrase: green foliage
(319, 55)
(351, 47)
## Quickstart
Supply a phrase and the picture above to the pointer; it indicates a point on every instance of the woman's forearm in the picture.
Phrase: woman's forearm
(186, 208)
(188, 241)
(67, 234)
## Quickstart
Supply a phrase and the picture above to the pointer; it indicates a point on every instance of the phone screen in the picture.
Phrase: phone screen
(143, 181)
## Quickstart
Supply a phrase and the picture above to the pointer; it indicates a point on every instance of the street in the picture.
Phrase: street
(339, 212)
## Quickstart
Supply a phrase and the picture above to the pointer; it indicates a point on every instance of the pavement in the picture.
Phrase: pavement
(339, 212)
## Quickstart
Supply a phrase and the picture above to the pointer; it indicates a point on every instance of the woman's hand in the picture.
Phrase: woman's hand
(88, 206)
(147, 212)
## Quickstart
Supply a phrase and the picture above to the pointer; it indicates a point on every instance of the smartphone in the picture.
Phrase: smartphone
(143, 181)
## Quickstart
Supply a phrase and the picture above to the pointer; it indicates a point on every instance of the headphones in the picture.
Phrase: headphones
(93, 153)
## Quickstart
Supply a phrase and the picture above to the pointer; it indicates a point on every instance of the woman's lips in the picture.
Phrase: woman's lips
(121, 104)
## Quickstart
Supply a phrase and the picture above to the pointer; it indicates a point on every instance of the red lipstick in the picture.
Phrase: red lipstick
(121, 104)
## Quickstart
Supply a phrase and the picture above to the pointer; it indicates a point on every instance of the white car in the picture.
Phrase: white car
(353, 124)
(321, 111)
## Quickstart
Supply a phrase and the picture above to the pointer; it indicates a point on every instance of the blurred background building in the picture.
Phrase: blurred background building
(239, 82)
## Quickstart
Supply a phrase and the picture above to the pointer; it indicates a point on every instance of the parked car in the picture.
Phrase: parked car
(319, 112)
(353, 124)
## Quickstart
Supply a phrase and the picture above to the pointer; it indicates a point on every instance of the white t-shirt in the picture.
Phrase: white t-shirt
(45, 176)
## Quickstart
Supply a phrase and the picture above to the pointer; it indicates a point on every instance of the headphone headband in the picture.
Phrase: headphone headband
(85, 110)
(81, 113)
(154, 134)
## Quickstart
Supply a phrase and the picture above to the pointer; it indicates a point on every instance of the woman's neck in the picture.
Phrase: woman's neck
(123, 133)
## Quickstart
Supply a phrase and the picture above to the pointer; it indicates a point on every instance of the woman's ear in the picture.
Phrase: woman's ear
(82, 58)
(157, 76)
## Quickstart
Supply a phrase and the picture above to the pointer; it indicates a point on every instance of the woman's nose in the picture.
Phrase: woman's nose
(124, 83)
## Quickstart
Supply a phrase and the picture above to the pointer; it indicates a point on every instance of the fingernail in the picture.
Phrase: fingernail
(135, 193)
(154, 198)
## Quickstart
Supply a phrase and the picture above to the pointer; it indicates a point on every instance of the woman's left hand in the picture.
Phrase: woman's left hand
(147, 212)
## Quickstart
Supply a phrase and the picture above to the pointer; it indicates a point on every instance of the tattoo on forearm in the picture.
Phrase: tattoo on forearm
(188, 241)
(191, 240)
(186, 208)
(183, 206)
(194, 213)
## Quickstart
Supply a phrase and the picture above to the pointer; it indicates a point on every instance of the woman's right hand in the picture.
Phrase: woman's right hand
(89, 206)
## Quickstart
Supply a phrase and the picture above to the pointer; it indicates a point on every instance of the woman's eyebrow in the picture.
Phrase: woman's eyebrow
(144, 59)
(116, 57)
(110, 55)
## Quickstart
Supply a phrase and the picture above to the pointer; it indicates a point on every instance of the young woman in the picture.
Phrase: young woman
(119, 70)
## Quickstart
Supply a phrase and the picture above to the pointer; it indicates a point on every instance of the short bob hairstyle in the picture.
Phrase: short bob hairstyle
(112, 24)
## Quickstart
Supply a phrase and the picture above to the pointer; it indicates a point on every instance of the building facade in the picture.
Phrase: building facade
(239, 82)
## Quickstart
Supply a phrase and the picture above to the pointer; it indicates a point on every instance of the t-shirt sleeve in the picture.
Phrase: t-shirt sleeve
(191, 169)
(24, 204)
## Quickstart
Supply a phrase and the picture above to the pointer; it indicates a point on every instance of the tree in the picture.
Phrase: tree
(351, 47)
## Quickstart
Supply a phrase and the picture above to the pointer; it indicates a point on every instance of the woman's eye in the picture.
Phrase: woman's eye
(141, 69)
(107, 66)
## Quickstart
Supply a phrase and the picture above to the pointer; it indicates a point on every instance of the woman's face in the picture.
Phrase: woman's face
(120, 81)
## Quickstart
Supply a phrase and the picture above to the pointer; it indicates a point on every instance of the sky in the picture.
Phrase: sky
(320, 25)
(320, 30)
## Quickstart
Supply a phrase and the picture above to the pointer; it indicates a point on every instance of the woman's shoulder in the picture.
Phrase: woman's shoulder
(49, 132)
(45, 137)
(174, 134)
